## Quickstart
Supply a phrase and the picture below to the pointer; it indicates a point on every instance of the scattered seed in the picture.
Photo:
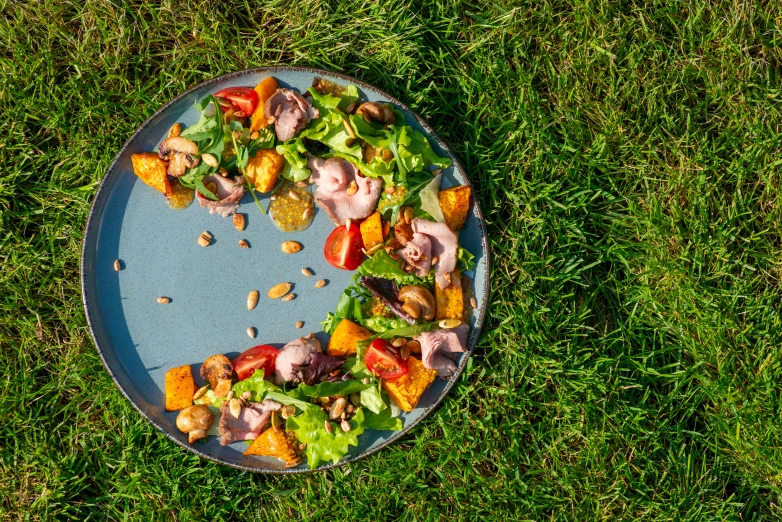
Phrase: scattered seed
(240, 221)
(243, 243)
(374, 249)
(278, 291)
(365, 380)
(289, 297)
(247, 395)
(450, 323)
(320, 284)
(345, 425)
(251, 332)
(117, 265)
(390, 190)
(414, 346)
(355, 398)
(350, 409)
(290, 247)
(307, 213)
(210, 160)
(435, 259)
(329, 429)
(299, 324)
(301, 184)
(175, 130)
(398, 342)
(473, 302)
(205, 239)
(252, 299)
(200, 392)
(236, 407)
(337, 408)
(302, 447)
(295, 197)
(288, 411)
(254, 135)
(352, 188)
(230, 395)
(404, 352)
(306, 272)
(348, 222)
(163, 300)
(275, 420)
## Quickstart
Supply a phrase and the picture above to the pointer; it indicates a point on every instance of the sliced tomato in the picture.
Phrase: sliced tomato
(243, 99)
(382, 360)
(344, 247)
(257, 357)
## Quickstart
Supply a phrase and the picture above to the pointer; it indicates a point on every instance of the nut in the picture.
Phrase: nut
(230, 395)
(251, 332)
(240, 221)
(320, 284)
(329, 429)
(288, 411)
(163, 299)
(200, 392)
(243, 243)
(236, 407)
(390, 190)
(299, 324)
(175, 130)
(289, 297)
(205, 239)
(209, 160)
(252, 299)
(345, 425)
(117, 265)
(290, 247)
(278, 291)
(306, 272)
(450, 323)
(398, 342)
(414, 346)
(337, 408)
(246, 395)
(355, 398)
(473, 302)
(352, 188)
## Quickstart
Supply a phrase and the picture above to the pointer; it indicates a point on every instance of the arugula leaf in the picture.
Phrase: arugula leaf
(390, 204)
(381, 264)
(323, 446)
(348, 307)
(208, 134)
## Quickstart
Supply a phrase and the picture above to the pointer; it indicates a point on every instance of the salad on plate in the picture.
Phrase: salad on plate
(403, 320)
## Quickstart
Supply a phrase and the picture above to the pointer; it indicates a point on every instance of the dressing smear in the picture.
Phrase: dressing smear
(292, 208)
(180, 196)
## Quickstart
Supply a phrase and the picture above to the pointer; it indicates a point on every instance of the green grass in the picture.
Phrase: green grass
(627, 157)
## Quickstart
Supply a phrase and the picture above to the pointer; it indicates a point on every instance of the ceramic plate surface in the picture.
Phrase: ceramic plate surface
(139, 339)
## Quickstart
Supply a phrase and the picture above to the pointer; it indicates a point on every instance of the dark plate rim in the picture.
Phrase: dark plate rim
(92, 223)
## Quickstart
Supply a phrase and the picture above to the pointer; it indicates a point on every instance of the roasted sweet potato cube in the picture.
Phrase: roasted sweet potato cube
(180, 388)
(264, 89)
(263, 169)
(151, 169)
(372, 230)
(407, 390)
(344, 339)
(455, 203)
(449, 301)
(275, 442)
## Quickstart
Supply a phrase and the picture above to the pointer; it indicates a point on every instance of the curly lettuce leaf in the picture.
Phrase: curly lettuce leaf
(295, 154)
(256, 385)
(329, 127)
(381, 264)
(323, 446)
(330, 389)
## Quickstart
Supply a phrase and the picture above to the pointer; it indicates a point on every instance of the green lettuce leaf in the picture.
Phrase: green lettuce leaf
(466, 259)
(295, 154)
(328, 127)
(372, 398)
(381, 264)
(384, 420)
(381, 324)
(256, 385)
(323, 446)
(330, 389)
(430, 204)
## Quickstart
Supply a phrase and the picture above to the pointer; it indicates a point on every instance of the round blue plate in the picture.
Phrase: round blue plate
(139, 339)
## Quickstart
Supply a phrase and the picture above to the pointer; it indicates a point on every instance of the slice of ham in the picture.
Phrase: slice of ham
(418, 253)
(440, 348)
(229, 192)
(445, 246)
(251, 421)
(289, 112)
(333, 176)
(293, 355)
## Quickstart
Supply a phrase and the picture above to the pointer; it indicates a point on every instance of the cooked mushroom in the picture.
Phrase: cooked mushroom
(418, 301)
(370, 152)
(218, 370)
(181, 153)
(194, 420)
(377, 112)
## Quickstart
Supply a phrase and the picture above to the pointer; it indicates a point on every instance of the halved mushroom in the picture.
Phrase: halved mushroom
(377, 112)
(417, 302)
(218, 370)
(181, 154)
(194, 420)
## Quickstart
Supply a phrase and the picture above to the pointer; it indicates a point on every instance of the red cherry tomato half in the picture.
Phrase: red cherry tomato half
(242, 99)
(344, 247)
(382, 360)
(261, 356)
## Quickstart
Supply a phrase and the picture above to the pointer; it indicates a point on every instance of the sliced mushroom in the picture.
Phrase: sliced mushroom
(417, 299)
(194, 420)
(218, 370)
(181, 153)
(376, 112)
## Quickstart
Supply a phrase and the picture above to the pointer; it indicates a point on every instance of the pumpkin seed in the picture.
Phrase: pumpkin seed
(252, 299)
(290, 247)
(240, 221)
(320, 284)
(175, 130)
(200, 392)
(398, 342)
(345, 425)
(209, 160)
(117, 265)
(235, 407)
(306, 272)
(243, 243)
(337, 408)
(278, 291)
(205, 239)
(473, 302)
(246, 395)
(329, 429)
(289, 297)
(352, 188)
(163, 299)
(251, 332)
